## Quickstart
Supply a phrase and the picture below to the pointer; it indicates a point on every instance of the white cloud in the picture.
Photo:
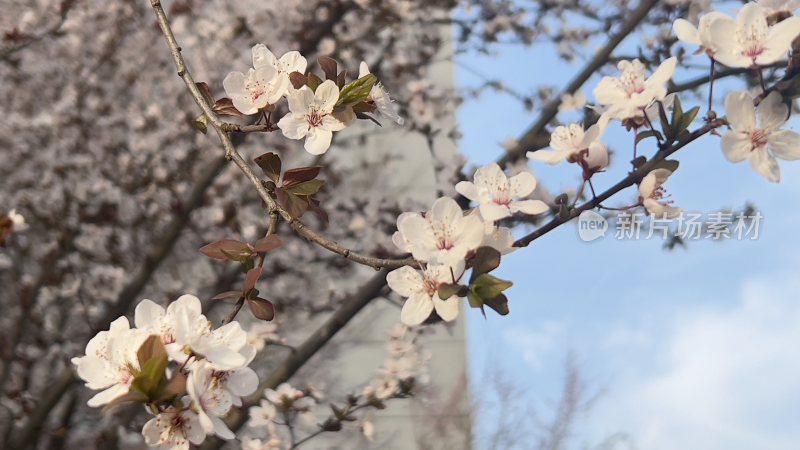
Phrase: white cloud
(727, 378)
(536, 344)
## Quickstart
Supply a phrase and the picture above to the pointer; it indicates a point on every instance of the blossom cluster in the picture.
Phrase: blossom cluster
(316, 108)
(280, 405)
(760, 35)
(188, 402)
(446, 237)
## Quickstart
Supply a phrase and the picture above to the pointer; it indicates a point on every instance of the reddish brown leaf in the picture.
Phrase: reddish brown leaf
(251, 278)
(175, 387)
(328, 66)
(226, 249)
(261, 308)
(270, 164)
(224, 107)
(297, 79)
(300, 174)
(268, 244)
(227, 294)
(293, 204)
(206, 91)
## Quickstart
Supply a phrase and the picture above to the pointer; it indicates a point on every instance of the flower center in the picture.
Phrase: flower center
(758, 138)
(430, 286)
(314, 118)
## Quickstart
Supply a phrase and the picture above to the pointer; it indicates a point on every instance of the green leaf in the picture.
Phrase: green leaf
(313, 81)
(688, 118)
(486, 260)
(669, 164)
(642, 135)
(357, 91)
(270, 164)
(447, 290)
(474, 300)
(499, 304)
(488, 286)
(201, 123)
(306, 188)
(151, 348)
(153, 364)
(662, 114)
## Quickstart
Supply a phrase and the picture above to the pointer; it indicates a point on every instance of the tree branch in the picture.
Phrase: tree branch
(533, 138)
(626, 182)
(232, 154)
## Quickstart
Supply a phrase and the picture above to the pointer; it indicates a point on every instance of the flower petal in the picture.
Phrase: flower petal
(785, 144)
(736, 146)
(740, 112)
(468, 190)
(262, 56)
(779, 41)
(233, 83)
(293, 126)
(318, 140)
(446, 309)
(686, 32)
(522, 184)
(765, 165)
(405, 281)
(416, 309)
(772, 112)
(492, 212)
(328, 94)
(531, 207)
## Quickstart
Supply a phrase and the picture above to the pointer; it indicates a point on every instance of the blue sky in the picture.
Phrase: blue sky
(691, 349)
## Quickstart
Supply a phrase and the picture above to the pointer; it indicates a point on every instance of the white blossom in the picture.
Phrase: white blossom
(421, 291)
(257, 444)
(110, 363)
(310, 117)
(443, 236)
(625, 96)
(17, 220)
(184, 330)
(572, 102)
(750, 41)
(573, 144)
(495, 193)
(700, 35)
(261, 86)
(174, 429)
(290, 62)
(760, 141)
(652, 195)
(210, 399)
(263, 414)
(380, 98)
